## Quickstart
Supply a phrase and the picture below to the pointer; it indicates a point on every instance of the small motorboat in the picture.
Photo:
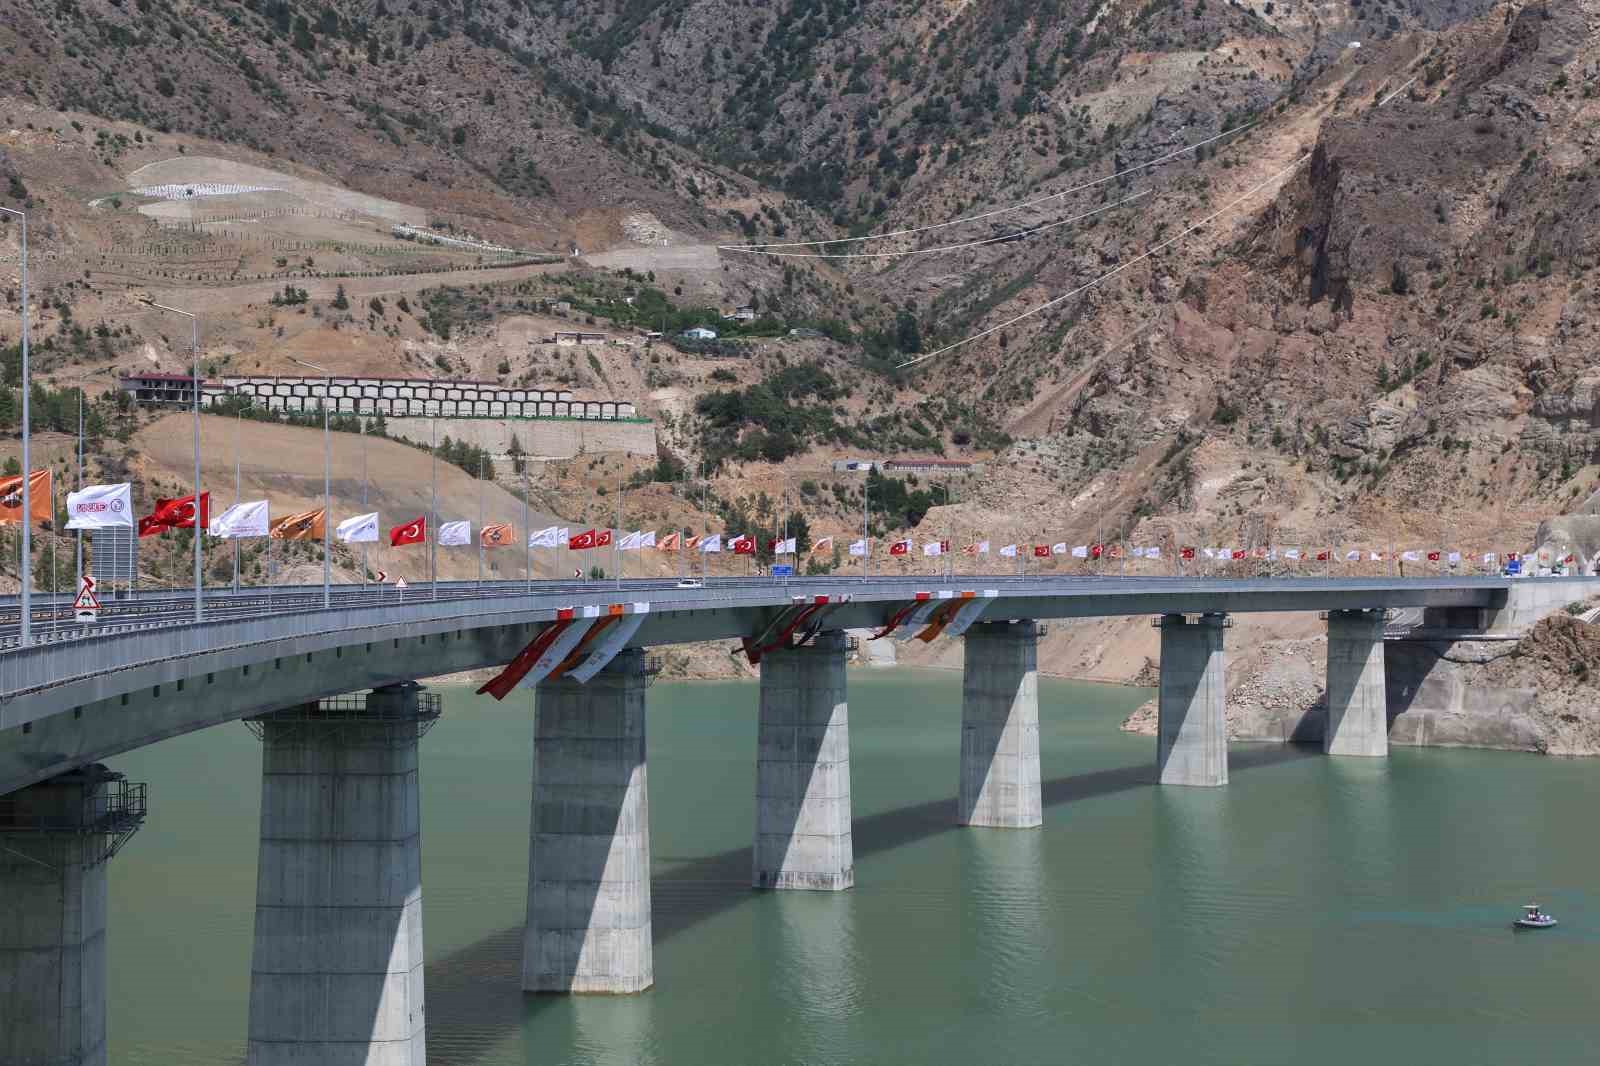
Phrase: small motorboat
(1534, 918)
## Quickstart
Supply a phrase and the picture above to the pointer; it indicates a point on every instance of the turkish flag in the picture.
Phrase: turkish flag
(743, 545)
(1322, 557)
(602, 538)
(900, 547)
(1187, 553)
(1041, 551)
(1433, 557)
(1238, 553)
(175, 514)
(413, 532)
(582, 541)
(1096, 550)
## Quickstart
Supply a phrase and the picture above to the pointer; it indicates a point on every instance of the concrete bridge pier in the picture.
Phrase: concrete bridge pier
(1192, 733)
(1358, 718)
(803, 769)
(588, 927)
(336, 970)
(1000, 727)
(55, 840)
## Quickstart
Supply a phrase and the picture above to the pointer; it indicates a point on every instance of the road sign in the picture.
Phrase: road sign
(87, 605)
(383, 575)
(782, 570)
(400, 584)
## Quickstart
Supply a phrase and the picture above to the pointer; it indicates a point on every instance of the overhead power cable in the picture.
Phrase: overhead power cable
(1114, 271)
(996, 211)
(1019, 235)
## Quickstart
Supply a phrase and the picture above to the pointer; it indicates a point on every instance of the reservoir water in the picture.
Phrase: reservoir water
(1313, 911)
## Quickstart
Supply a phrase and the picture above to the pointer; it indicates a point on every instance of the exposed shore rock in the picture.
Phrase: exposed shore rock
(1539, 694)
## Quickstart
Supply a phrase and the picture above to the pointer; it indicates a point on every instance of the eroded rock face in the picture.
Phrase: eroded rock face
(1539, 694)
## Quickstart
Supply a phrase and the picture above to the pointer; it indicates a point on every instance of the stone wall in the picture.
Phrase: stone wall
(547, 439)
(400, 397)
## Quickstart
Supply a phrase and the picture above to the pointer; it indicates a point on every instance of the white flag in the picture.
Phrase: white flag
(1059, 548)
(1009, 551)
(100, 507)
(1273, 555)
(1136, 552)
(933, 547)
(858, 547)
(1409, 557)
(1080, 552)
(1454, 558)
(362, 529)
(455, 533)
(548, 537)
(711, 543)
(983, 547)
(248, 519)
(1375, 557)
(786, 546)
(630, 543)
(1353, 556)
(1292, 554)
(648, 540)
(1152, 553)
(1209, 553)
(1490, 558)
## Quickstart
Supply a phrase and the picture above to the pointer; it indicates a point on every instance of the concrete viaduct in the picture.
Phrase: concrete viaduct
(337, 968)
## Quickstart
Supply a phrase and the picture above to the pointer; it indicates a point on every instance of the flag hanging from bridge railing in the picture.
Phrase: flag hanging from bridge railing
(40, 488)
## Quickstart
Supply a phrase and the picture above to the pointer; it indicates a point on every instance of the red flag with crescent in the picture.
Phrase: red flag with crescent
(413, 532)
(175, 514)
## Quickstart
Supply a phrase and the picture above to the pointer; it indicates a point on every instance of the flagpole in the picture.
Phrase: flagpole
(480, 521)
(365, 570)
(433, 508)
(238, 481)
(327, 482)
(616, 538)
(527, 534)
(80, 476)
(866, 542)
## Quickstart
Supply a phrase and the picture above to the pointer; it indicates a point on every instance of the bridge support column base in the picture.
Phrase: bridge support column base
(1358, 716)
(588, 927)
(55, 839)
(336, 970)
(1192, 733)
(1000, 727)
(803, 770)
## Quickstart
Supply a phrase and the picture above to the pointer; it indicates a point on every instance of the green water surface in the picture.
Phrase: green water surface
(1313, 911)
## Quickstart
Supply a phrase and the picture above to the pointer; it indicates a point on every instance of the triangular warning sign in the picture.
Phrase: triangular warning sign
(400, 584)
(87, 600)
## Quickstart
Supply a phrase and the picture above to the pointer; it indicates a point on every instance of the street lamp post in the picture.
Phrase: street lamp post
(25, 571)
(327, 483)
(199, 526)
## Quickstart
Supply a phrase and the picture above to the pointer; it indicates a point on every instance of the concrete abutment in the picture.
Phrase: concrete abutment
(588, 926)
(803, 835)
(336, 972)
(1192, 733)
(999, 784)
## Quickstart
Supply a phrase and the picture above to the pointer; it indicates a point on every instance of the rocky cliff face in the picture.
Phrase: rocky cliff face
(1537, 694)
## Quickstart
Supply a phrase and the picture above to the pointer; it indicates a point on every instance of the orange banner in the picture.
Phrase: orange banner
(496, 535)
(39, 485)
(307, 525)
